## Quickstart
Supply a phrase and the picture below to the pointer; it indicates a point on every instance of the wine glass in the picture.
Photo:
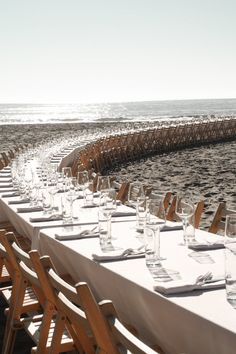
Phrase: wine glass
(185, 209)
(106, 207)
(67, 172)
(83, 180)
(136, 197)
(155, 220)
(103, 182)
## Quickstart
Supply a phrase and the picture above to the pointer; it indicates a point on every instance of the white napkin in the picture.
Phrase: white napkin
(19, 201)
(6, 185)
(45, 218)
(181, 286)
(8, 189)
(116, 256)
(10, 194)
(94, 205)
(75, 235)
(198, 246)
(172, 227)
(5, 179)
(29, 209)
(5, 174)
(123, 213)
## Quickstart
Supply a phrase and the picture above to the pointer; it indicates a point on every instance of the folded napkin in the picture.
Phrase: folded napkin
(4, 179)
(6, 172)
(173, 227)
(206, 246)
(5, 175)
(11, 194)
(181, 286)
(123, 213)
(6, 185)
(45, 218)
(10, 189)
(75, 235)
(94, 205)
(29, 209)
(19, 201)
(117, 256)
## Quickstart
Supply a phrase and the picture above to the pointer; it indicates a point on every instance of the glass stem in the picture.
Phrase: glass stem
(185, 224)
(109, 229)
(157, 242)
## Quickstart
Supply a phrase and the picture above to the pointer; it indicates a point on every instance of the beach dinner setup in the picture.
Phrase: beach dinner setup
(92, 265)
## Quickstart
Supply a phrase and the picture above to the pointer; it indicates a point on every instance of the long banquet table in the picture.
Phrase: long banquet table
(197, 322)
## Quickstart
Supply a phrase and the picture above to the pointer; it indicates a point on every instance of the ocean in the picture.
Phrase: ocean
(111, 112)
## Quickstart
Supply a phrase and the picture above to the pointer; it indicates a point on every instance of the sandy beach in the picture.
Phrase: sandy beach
(209, 172)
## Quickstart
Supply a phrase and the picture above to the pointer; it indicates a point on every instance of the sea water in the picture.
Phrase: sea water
(113, 112)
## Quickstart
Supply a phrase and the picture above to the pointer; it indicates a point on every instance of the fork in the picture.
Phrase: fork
(201, 279)
(130, 250)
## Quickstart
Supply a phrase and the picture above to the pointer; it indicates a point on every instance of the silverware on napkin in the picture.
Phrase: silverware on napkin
(172, 227)
(6, 185)
(206, 246)
(123, 213)
(29, 209)
(45, 218)
(10, 194)
(64, 236)
(203, 282)
(19, 201)
(129, 253)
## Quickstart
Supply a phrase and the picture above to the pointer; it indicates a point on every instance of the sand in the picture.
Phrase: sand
(209, 172)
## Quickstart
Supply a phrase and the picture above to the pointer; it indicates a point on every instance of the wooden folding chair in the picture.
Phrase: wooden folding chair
(111, 335)
(218, 222)
(41, 328)
(67, 305)
(20, 296)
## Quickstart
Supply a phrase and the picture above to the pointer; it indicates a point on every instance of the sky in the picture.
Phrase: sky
(91, 51)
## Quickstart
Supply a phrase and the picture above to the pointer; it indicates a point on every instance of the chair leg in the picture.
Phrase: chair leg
(9, 341)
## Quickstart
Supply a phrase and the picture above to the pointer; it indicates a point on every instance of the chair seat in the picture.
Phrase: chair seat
(33, 326)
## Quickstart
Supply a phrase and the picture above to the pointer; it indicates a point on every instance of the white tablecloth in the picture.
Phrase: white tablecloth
(193, 323)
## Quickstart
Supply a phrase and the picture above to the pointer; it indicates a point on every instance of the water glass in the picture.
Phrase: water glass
(67, 209)
(185, 211)
(152, 249)
(230, 258)
(46, 200)
(104, 225)
(88, 194)
(141, 213)
(156, 216)
(135, 197)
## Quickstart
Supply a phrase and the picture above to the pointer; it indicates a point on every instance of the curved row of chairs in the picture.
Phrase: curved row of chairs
(107, 152)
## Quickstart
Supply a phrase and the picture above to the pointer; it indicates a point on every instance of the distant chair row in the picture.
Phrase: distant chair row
(107, 152)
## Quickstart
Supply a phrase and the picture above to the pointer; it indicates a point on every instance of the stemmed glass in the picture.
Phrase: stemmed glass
(184, 209)
(155, 220)
(67, 172)
(136, 197)
(73, 193)
(103, 182)
(83, 180)
(106, 208)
